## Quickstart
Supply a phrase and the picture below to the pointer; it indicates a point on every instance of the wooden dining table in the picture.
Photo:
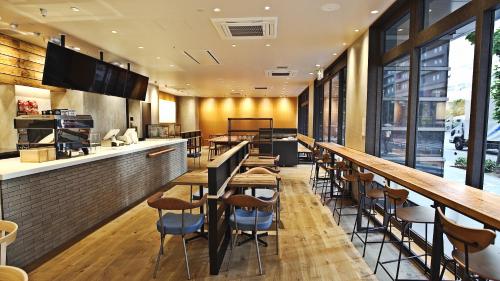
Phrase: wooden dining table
(469, 201)
(259, 161)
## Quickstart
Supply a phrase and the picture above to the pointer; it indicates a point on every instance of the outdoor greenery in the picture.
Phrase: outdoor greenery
(489, 165)
(455, 108)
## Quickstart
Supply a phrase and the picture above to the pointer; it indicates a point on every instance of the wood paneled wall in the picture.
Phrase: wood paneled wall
(21, 63)
(213, 112)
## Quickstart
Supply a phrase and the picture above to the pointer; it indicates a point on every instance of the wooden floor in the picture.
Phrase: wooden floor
(312, 247)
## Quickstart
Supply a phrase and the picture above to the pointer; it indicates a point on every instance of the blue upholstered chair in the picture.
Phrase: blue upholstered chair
(253, 214)
(174, 223)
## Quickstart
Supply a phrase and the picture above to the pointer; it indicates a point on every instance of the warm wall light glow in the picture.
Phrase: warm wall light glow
(167, 111)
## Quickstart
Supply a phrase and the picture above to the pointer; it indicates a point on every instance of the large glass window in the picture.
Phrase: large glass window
(303, 114)
(397, 33)
(334, 118)
(445, 91)
(492, 158)
(435, 10)
(395, 110)
(326, 110)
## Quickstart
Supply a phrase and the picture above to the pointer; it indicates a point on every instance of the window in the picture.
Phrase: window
(394, 110)
(492, 158)
(326, 111)
(435, 10)
(397, 33)
(445, 91)
(303, 113)
(334, 118)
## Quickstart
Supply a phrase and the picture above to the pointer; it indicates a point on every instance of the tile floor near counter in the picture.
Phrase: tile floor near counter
(312, 247)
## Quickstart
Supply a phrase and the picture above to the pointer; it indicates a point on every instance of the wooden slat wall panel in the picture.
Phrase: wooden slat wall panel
(4, 59)
(21, 45)
(21, 54)
(21, 63)
(20, 72)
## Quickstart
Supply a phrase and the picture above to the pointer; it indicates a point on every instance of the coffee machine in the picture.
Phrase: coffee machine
(69, 134)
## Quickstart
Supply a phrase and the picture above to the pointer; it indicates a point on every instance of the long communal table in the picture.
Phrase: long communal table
(472, 202)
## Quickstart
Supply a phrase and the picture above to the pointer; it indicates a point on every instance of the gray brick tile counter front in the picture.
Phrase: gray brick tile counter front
(54, 207)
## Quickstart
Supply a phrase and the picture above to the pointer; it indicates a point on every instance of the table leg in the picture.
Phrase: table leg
(437, 246)
(201, 233)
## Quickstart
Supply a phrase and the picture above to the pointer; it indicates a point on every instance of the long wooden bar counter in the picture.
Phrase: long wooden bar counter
(472, 202)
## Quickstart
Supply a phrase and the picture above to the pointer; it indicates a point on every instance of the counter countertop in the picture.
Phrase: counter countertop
(13, 168)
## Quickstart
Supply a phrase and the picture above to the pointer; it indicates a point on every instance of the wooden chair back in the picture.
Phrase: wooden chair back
(10, 273)
(307, 141)
(168, 203)
(8, 233)
(396, 197)
(247, 201)
(465, 239)
(365, 178)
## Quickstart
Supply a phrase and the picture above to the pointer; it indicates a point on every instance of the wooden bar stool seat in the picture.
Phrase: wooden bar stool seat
(375, 194)
(472, 249)
(10, 273)
(483, 263)
(416, 214)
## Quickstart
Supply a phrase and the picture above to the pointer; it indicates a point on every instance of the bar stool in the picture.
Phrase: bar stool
(333, 173)
(472, 249)
(394, 207)
(321, 165)
(316, 155)
(252, 215)
(212, 149)
(366, 194)
(176, 224)
(346, 178)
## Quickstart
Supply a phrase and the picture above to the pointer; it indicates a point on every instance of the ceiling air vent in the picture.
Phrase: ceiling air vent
(246, 28)
(281, 73)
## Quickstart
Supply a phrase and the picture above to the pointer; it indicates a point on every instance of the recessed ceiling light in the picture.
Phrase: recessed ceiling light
(343, 44)
(158, 58)
(140, 47)
(268, 45)
(430, 10)
(217, 10)
(356, 30)
(318, 65)
(234, 45)
(374, 12)
(267, 8)
(76, 48)
(400, 29)
(310, 73)
(114, 31)
(334, 54)
(187, 84)
(330, 7)
(75, 9)
(172, 65)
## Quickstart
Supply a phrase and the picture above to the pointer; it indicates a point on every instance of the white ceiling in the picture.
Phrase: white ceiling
(306, 36)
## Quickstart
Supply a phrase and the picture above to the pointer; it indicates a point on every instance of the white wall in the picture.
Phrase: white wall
(356, 93)
(188, 113)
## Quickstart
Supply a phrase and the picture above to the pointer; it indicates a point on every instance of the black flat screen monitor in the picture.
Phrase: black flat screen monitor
(136, 87)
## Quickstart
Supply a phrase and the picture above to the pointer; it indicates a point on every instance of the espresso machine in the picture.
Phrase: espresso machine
(69, 134)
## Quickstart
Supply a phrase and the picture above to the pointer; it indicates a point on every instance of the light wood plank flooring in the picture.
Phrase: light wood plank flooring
(312, 247)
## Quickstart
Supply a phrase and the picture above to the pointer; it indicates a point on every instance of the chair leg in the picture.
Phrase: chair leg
(233, 245)
(341, 205)
(258, 252)
(401, 249)
(277, 232)
(367, 227)
(381, 247)
(186, 257)
(359, 213)
(160, 253)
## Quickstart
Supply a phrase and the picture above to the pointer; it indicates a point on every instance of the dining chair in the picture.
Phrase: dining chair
(8, 234)
(249, 213)
(175, 223)
(473, 249)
